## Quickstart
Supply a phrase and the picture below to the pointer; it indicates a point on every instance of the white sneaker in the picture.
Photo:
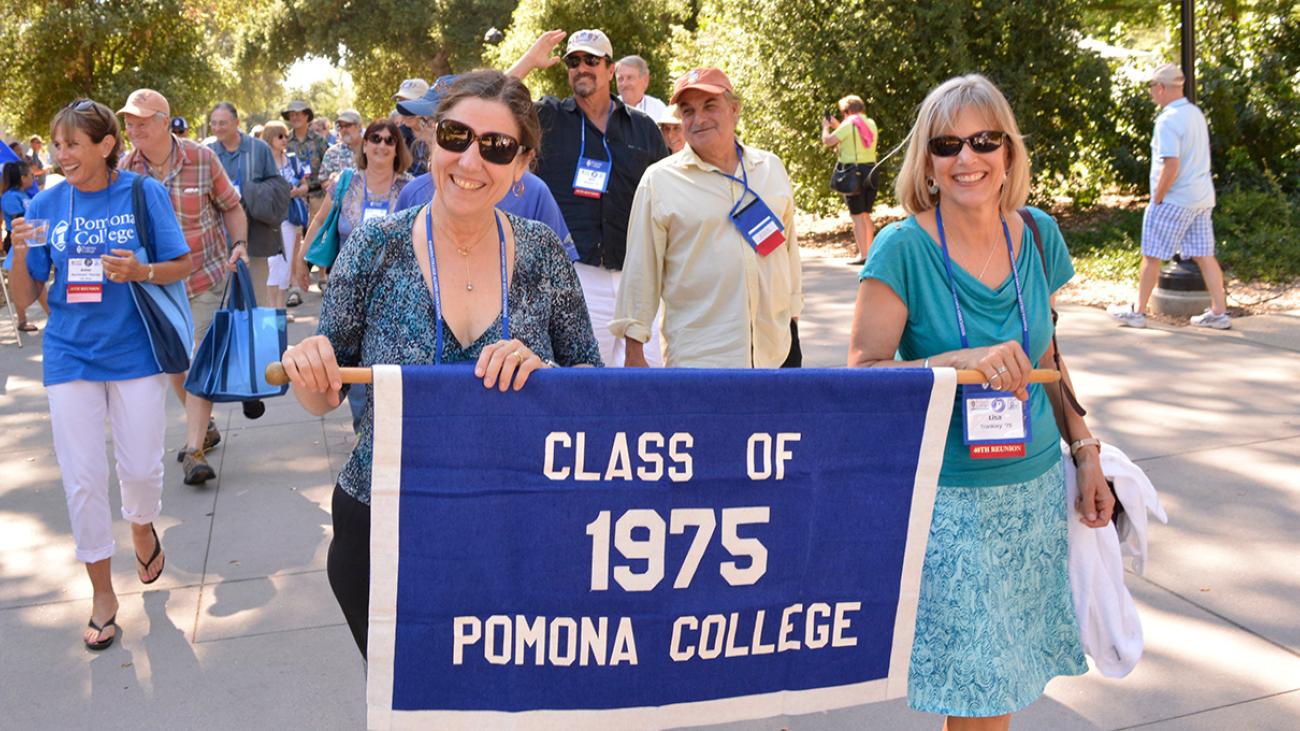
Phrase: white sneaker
(1209, 319)
(1126, 317)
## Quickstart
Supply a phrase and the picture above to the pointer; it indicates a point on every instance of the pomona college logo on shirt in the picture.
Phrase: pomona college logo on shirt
(59, 236)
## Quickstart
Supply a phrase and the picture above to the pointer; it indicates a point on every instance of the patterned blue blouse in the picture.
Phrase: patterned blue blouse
(378, 309)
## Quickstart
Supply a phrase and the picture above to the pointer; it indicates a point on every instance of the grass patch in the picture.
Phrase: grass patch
(1105, 244)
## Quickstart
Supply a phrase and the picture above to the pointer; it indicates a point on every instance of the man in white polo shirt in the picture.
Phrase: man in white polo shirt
(1182, 201)
(632, 75)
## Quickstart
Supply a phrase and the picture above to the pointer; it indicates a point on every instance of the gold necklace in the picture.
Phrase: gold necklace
(464, 252)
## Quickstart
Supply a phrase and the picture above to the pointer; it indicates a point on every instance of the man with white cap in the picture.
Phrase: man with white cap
(632, 74)
(594, 151)
(342, 154)
(206, 202)
(1178, 216)
(413, 90)
(671, 128)
(712, 237)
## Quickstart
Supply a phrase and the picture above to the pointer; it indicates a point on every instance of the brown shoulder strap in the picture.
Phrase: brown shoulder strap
(1066, 391)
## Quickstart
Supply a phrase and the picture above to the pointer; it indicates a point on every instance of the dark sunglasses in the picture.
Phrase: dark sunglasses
(378, 139)
(82, 105)
(495, 147)
(573, 60)
(983, 142)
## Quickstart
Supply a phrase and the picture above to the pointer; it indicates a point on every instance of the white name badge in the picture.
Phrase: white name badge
(85, 280)
(591, 180)
(996, 423)
(374, 211)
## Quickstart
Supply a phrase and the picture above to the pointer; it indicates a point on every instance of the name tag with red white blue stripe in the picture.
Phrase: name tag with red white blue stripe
(760, 227)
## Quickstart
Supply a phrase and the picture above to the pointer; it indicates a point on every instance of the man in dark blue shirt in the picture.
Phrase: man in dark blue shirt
(594, 151)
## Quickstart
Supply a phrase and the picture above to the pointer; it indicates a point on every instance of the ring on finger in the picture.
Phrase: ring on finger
(1001, 370)
(514, 354)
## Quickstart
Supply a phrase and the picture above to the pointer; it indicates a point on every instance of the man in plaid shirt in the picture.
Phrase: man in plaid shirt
(207, 206)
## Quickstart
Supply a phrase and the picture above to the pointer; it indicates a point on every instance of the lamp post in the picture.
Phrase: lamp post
(1180, 291)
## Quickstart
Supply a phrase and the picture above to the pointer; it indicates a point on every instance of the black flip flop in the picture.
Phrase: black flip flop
(102, 644)
(27, 327)
(157, 549)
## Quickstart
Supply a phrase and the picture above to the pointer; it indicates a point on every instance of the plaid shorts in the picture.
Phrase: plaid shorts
(1167, 229)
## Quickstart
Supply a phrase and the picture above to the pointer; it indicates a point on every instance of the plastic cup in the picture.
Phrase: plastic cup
(40, 231)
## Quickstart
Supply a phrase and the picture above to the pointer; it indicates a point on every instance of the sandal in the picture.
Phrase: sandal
(102, 644)
(27, 327)
(157, 549)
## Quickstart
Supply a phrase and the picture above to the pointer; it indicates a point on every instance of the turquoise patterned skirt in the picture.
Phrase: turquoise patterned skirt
(995, 621)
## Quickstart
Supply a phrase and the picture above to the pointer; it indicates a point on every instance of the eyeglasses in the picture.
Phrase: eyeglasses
(982, 142)
(495, 147)
(378, 139)
(573, 60)
(426, 122)
(345, 125)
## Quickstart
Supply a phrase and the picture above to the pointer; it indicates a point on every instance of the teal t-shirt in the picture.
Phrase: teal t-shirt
(910, 262)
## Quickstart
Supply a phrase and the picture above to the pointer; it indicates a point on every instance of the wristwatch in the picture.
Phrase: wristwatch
(1080, 444)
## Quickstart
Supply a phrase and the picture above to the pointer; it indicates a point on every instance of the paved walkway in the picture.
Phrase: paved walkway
(242, 632)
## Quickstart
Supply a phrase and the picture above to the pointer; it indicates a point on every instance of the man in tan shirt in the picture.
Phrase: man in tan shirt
(712, 236)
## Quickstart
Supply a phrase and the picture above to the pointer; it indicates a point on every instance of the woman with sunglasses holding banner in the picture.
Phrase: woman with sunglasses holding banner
(371, 193)
(961, 284)
(453, 281)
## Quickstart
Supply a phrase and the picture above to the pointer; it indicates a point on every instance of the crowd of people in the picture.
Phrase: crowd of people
(480, 225)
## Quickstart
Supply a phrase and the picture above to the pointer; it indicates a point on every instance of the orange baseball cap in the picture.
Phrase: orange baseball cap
(146, 103)
(706, 79)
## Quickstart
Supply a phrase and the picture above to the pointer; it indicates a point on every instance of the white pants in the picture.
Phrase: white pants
(600, 288)
(278, 266)
(135, 410)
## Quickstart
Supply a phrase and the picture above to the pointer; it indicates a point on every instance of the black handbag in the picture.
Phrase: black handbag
(849, 178)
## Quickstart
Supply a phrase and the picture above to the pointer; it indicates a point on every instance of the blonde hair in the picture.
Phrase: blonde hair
(852, 104)
(938, 114)
(275, 125)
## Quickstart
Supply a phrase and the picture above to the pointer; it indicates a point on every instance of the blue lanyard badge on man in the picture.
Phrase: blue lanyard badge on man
(755, 221)
(591, 179)
(995, 423)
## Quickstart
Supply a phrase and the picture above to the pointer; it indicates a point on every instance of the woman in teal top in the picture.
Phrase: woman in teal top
(995, 620)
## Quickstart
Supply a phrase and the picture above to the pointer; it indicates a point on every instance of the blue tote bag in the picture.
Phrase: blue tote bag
(164, 308)
(244, 339)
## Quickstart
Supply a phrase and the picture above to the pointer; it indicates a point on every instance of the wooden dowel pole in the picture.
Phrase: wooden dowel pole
(276, 377)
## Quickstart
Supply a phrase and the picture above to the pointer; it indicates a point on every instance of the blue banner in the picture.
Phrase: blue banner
(646, 548)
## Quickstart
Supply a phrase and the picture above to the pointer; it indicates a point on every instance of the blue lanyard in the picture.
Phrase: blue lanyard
(744, 181)
(437, 291)
(952, 285)
(365, 190)
(604, 139)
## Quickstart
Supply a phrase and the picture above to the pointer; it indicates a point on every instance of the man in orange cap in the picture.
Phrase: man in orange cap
(207, 206)
(712, 236)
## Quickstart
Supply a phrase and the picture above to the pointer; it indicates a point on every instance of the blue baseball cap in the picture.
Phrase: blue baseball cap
(427, 104)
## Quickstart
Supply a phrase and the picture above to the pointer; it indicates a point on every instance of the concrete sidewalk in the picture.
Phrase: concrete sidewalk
(242, 631)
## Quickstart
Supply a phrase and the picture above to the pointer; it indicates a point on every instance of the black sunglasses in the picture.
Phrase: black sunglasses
(573, 60)
(378, 139)
(983, 142)
(495, 147)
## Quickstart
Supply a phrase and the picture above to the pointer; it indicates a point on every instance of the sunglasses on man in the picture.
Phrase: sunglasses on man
(981, 142)
(572, 60)
(495, 147)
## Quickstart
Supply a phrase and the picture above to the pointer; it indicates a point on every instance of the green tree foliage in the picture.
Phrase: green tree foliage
(792, 59)
(381, 42)
(55, 52)
(641, 27)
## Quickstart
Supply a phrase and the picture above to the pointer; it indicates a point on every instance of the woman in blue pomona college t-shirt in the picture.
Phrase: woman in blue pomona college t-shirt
(99, 365)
